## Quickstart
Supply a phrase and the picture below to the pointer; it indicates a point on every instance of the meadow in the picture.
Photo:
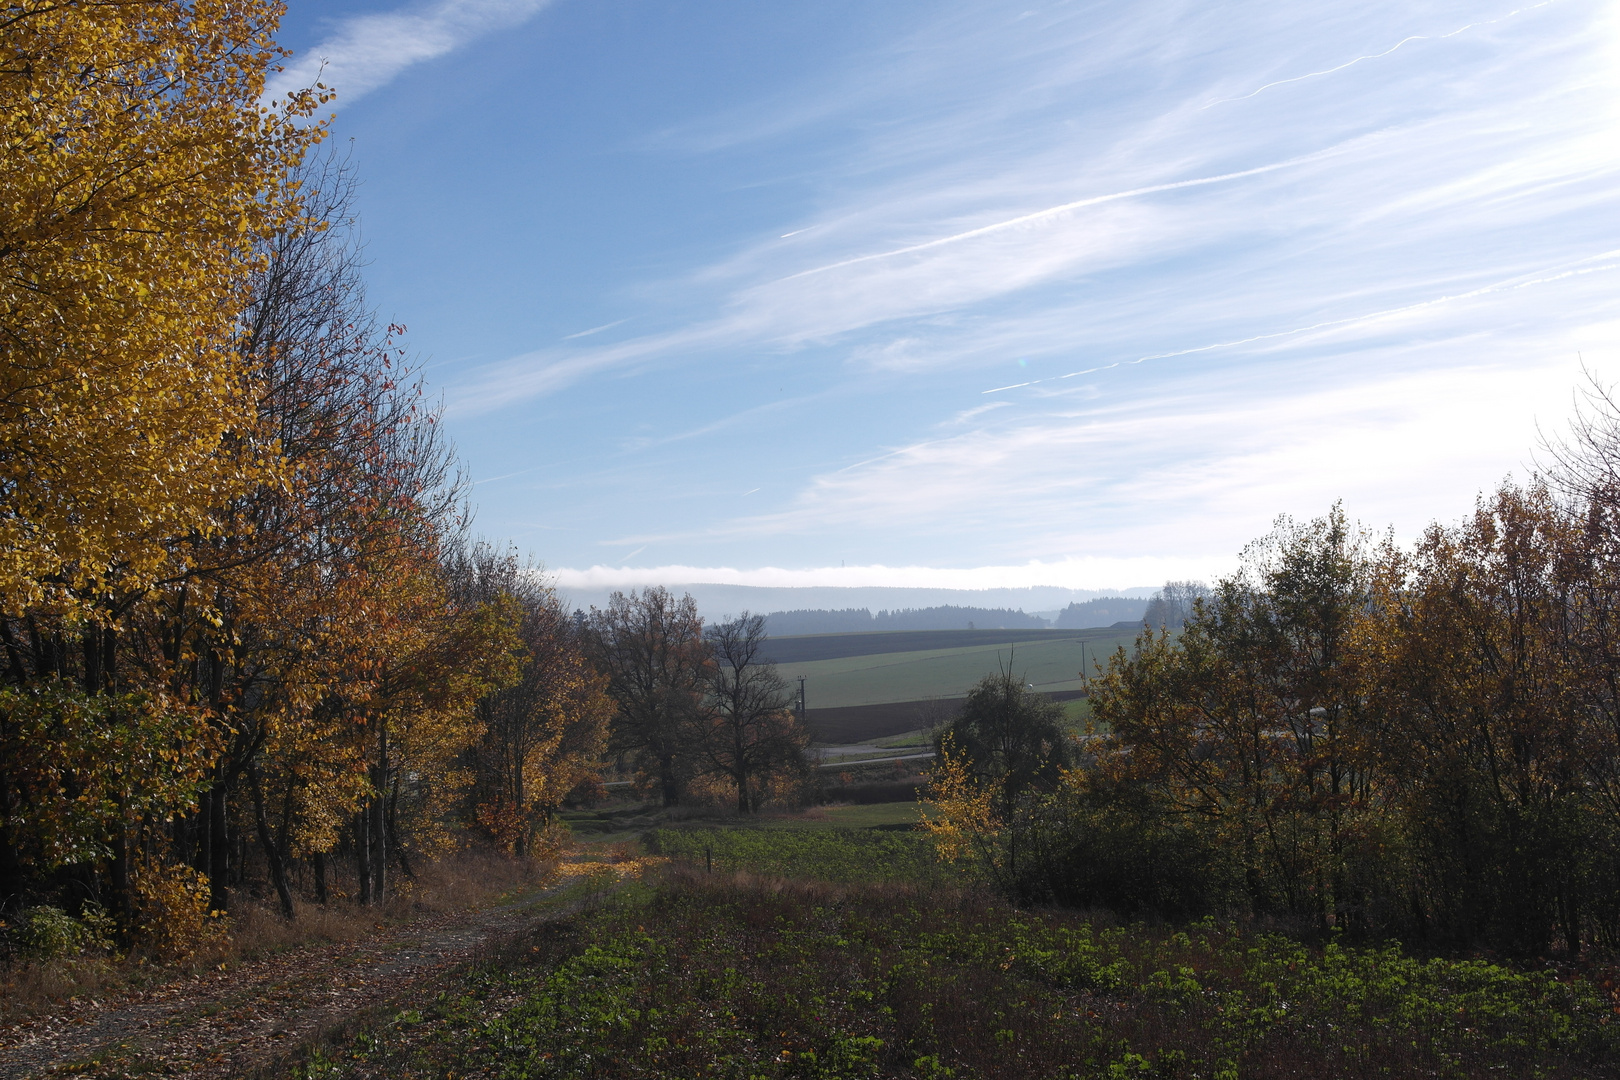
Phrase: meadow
(802, 648)
(873, 678)
(841, 855)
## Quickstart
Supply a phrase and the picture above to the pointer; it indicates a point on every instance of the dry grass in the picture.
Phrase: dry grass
(468, 879)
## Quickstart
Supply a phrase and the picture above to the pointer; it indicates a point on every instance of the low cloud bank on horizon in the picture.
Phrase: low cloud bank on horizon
(1082, 573)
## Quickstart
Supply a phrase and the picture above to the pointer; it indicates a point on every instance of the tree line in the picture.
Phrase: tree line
(239, 605)
(244, 625)
(1351, 736)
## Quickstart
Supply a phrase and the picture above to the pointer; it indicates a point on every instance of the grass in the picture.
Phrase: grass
(866, 723)
(1050, 665)
(875, 816)
(737, 976)
(910, 740)
(835, 757)
(828, 853)
(803, 648)
(894, 816)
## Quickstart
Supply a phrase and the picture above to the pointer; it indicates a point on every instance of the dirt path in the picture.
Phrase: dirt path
(225, 1023)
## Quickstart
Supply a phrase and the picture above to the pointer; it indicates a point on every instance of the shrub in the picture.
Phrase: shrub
(49, 933)
(175, 919)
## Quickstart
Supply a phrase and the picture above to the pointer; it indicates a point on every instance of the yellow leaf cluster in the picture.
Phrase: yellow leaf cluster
(140, 169)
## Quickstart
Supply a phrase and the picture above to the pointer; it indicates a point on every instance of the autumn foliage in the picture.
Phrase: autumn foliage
(243, 625)
(1353, 738)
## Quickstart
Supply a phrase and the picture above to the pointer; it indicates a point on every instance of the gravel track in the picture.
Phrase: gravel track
(229, 1023)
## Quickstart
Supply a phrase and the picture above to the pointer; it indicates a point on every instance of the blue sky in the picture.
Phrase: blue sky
(975, 294)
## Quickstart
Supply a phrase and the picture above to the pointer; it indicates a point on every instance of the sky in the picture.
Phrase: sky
(971, 295)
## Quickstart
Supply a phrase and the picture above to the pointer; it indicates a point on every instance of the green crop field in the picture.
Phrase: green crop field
(878, 678)
(805, 647)
(866, 962)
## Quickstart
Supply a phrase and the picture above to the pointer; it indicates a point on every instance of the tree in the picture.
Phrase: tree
(1255, 719)
(1009, 738)
(650, 647)
(141, 174)
(1489, 699)
(140, 170)
(546, 732)
(753, 731)
(1174, 604)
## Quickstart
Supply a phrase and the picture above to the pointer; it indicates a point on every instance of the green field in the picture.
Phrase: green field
(820, 852)
(805, 647)
(880, 678)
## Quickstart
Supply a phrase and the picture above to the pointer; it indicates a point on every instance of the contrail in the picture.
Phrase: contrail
(1557, 273)
(1374, 56)
(595, 330)
(1066, 207)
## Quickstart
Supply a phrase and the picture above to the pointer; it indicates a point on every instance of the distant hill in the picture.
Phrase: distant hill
(717, 602)
(1105, 611)
(861, 620)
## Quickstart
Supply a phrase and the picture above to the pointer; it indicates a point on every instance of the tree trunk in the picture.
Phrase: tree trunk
(109, 659)
(12, 874)
(219, 852)
(202, 834)
(393, 830)
(739, 763)
(123, 902)
(319, 863)
(379, 852)
(362, 852)
(379, 821)
(92, 659)
(671, 783)
(272, 853)
(521, 847)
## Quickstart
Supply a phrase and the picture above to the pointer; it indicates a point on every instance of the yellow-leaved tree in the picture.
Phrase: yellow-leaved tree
(140, 172)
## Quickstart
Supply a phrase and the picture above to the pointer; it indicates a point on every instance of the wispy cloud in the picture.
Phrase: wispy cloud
(595, 330)
(367, 51)
(1065, 208)
(1335, 69)
(1369, 280)
(1591, 264)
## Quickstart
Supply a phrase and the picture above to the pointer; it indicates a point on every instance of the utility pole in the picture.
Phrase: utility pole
(801, 699)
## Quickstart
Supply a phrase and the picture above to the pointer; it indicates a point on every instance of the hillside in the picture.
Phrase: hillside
(871, 686)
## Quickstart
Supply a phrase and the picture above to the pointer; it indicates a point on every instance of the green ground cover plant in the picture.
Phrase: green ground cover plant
(838, 855)
(739, 976)
(897, 815)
